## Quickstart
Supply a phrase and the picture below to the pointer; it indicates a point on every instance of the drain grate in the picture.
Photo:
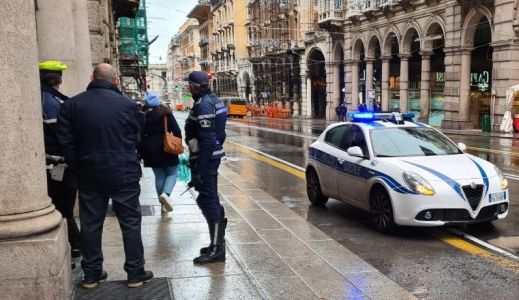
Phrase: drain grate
(146, 211)
(157, 289)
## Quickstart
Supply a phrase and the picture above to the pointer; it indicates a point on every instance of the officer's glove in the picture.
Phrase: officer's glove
(196, 181)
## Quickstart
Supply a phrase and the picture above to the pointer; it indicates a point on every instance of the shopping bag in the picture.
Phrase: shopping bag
(184, 172)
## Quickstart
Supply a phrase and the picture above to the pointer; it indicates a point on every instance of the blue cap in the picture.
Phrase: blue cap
(151, 99)
(198, 78)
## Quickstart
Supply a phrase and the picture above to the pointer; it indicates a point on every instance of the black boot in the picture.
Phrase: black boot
(204, 250)
(216, 253)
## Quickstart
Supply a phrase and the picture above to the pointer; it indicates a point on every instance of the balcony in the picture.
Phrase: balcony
(231, 46)
(331, 17)
(204, 40)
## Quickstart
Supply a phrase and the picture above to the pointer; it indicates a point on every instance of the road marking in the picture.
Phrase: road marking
(482, 243)
(468, 247)
(452, 240)
(510, 176)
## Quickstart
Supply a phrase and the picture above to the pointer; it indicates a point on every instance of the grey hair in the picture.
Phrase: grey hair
(105, 72)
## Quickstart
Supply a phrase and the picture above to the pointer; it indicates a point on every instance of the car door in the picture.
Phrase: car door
(351, 184)
(327, 160)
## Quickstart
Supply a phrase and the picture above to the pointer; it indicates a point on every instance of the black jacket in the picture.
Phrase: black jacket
(51, 105)
(99, 132)
(152, 149)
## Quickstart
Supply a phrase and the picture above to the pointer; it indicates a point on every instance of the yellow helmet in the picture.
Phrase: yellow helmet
(52, 65)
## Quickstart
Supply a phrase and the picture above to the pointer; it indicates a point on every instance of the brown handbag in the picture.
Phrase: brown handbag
(172, 144)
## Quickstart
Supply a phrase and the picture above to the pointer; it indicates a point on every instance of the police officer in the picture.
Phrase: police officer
(60, 182)
(205, 135)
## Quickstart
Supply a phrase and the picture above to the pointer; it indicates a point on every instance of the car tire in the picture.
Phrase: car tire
(313, 189)
(382, 210)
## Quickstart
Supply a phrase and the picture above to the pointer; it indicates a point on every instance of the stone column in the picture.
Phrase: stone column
(55, 29)
(404, 81)
(369, 77)
(82, 43)
(385, 83)
(34, 252)
(355, 85)
(425, 90)
(464, 107)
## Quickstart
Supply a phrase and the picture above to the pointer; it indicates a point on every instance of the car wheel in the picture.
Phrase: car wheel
(313, 189)
(382, 211)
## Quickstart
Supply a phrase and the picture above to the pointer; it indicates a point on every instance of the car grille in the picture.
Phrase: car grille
(456, 215)
(487, 212)
(473, 194)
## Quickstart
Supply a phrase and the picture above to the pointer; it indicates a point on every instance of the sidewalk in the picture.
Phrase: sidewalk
(272, 253)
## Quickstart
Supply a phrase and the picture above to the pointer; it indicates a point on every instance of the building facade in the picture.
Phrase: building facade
(229, 36)
(274, 50)
(202, 13)
(174, 71)
(34, 249)
(189, 48)
(156, 80)
(449, 61)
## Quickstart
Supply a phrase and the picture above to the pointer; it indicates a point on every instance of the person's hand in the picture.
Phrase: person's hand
(196, 180)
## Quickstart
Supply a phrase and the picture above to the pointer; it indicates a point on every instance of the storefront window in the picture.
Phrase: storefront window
(394, 92)
(437, 99)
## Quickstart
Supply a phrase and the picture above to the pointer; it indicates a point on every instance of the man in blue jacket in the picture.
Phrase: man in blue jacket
(205, 135)
(60, 181)
(99, 131)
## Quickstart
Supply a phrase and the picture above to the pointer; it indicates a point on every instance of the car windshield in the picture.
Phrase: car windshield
(410, 141)
(238, 102)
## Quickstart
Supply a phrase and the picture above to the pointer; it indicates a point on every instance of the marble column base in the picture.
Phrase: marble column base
(36, 267)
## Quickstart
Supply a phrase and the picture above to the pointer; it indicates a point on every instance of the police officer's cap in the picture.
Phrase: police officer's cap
(52, 65)
(198, 78)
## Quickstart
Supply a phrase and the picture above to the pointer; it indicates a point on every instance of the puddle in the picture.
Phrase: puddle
(508, 243)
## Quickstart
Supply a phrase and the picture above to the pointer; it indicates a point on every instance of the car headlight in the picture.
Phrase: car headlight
(503, 182)
(418, 184)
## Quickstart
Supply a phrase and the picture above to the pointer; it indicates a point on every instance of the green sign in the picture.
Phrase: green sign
(186, 97)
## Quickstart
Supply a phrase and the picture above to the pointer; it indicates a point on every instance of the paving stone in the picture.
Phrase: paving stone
(377, 284)
(322, 278)
(258, 219)
(290, 287)
(230, 212)
(278, 210)
(259, 195)
(229, 190)
(186, 268)
(239, 232)
(243, 184)
(242, 202)
(304, 230)
(260, 258)
(284, 243)
(213, 287)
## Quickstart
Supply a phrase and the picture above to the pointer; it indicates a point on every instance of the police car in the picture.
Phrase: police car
(403, 173)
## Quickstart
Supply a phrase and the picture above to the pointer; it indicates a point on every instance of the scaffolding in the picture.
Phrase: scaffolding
(133, 49)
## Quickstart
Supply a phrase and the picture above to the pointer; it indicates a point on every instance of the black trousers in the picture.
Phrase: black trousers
(63, 195)
(93, 204)
(208, 200)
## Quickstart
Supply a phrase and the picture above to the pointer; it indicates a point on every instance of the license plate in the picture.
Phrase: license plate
(495, 197)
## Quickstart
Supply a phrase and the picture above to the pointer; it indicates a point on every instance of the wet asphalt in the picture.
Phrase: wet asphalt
(412, 257)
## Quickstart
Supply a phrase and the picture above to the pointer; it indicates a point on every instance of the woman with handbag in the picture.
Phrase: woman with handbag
(161, 130)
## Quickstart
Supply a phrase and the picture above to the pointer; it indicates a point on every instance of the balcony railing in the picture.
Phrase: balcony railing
(335, 14)
(359, 7)
(204, 40)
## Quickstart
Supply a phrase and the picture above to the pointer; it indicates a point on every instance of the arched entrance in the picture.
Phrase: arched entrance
(317, 70)
(410, 73)
(374, 74)
(391, 67)
(433, 46)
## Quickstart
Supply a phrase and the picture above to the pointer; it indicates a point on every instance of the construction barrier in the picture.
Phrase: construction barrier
(270, 111)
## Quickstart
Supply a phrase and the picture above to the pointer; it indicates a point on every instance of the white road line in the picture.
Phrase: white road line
(482, 243)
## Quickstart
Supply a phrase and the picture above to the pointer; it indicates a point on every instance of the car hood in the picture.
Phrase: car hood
(444, 167)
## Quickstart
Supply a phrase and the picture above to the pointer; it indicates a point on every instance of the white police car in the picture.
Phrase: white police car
(403, 173)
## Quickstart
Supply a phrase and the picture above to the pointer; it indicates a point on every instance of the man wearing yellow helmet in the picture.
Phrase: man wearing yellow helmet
(60, 182)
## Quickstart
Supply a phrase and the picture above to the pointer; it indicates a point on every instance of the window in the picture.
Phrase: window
(355, 138)
(334, 136)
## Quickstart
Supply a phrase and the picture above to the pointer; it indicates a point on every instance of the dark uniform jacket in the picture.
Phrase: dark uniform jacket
(152, 147)
(99, 132)
(51, 105)
(205, 131)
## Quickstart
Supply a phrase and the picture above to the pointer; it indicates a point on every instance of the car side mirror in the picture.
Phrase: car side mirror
(355, 151)
(462, 147)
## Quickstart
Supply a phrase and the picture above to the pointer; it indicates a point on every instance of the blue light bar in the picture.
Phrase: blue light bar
(408, 116)
(363, 116)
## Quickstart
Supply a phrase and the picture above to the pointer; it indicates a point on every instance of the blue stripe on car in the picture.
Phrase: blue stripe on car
(451, 182)
(357, 170)
(483, 175)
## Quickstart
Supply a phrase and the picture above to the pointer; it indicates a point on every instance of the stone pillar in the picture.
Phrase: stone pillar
(425, 90)
(309, 103)
(369, 77)
(55, 29)
(34, 252)
(82, 43)
(355, 85)
(385, 83)
(404, 81)
(466, 58)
